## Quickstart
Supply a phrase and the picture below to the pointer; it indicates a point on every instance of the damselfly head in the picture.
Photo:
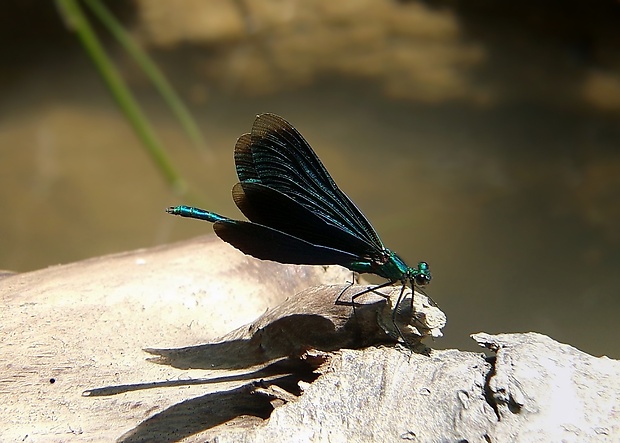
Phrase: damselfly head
(421, 275)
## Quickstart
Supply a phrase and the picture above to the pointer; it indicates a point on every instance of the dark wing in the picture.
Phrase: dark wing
(276, 155)
(269, 207)
(266, 243)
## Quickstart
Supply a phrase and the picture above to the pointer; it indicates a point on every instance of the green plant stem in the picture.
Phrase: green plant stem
(150, 69)
(77, 22)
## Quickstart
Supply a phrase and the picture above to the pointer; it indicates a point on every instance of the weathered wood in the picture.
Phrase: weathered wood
(312, 320)
(548, 391)
(85, 325)
(73, 366)
(535, 390)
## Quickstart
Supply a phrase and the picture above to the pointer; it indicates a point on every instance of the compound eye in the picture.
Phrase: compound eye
(422, 279)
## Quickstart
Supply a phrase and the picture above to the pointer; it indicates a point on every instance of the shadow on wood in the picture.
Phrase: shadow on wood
(312, 320)
(281, 348)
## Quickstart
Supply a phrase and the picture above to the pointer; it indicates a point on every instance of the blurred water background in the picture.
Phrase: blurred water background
(481, 137)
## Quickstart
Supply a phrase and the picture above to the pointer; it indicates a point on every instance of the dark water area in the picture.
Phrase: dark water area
(515, 205)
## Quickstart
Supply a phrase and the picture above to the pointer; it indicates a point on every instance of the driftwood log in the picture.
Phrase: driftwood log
(136, 347)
